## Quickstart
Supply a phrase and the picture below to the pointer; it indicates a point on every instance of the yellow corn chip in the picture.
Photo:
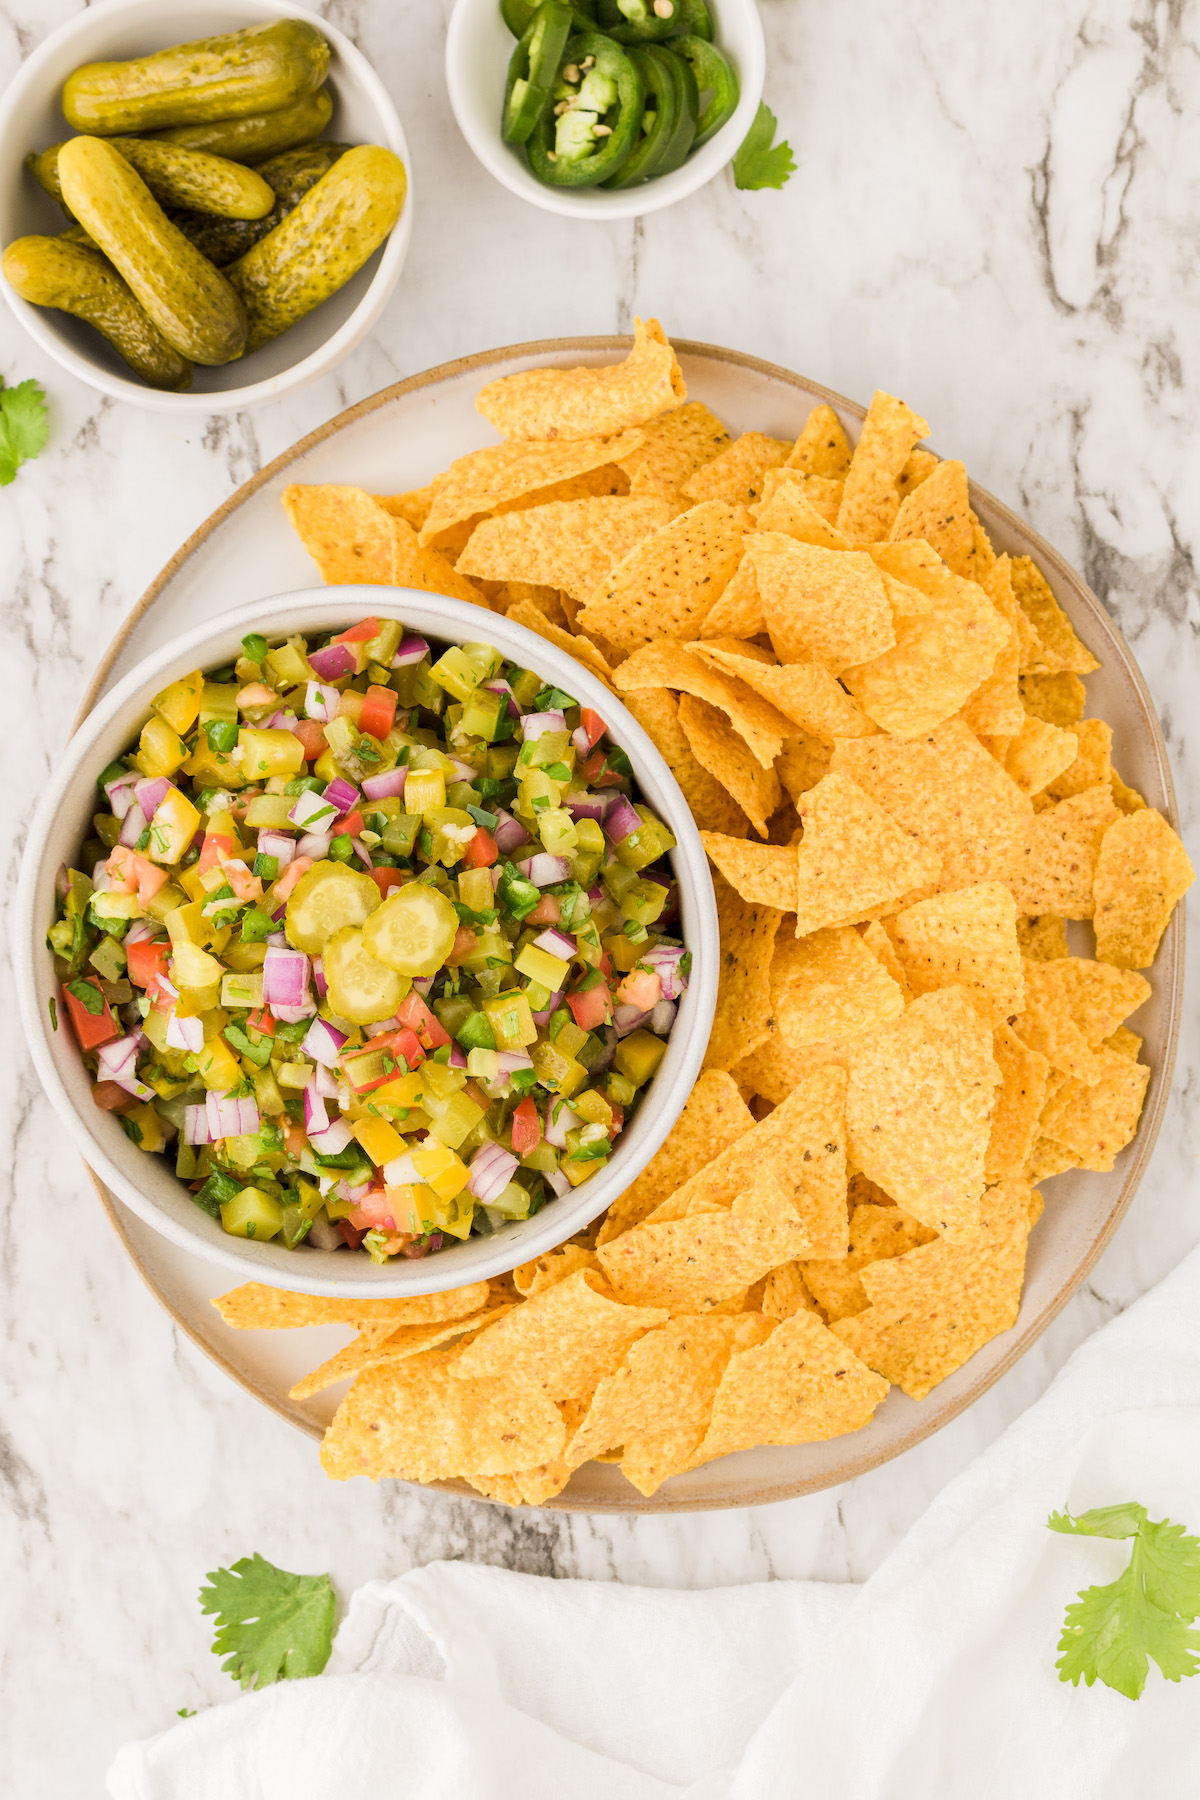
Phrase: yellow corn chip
(830, 985)
(789, 504)
(1126, 798)
(1019, 1101)
(352, 538)
(785, 1293)
(1038, 753)
(722, 752)
(822, 447)
(667, 663)
(535, 1277)
(853, 862)
(919, 467)
(763, 874)
(588, 402)
(667, 584)
(934, 1307)
(714, 1116)
(943, 650)
(804, 692)
(712, 806)
(580, 647)
(1094, 1121)
(875, 937)
(966, 939)
(559, 1343)
(371, 1351)
(1042, 939)
(1062, 652)
(871, 499)
(569, 544)
(486, 480)
(918, 1109)
(1100, 997)
(775, 1069)
(547, 600)
(675, 445)
(735, 474)
(830, 606)
(1058, 699)
(1048, 1023)
(938, 510)
(876, 1233)
(801, 764)
(413, 506)
(1124, 1042)
(995, 708)
(743, 1009)
(738, 610)
(255, 1307)
(1142, 873)
(1057, 870)
(799, 1387)
(950, 795)
(1091, 766)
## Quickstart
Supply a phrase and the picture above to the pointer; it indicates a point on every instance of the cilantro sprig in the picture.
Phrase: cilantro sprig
(1111, 1632)
(23, 427)
(271, 1625)
(760, 162)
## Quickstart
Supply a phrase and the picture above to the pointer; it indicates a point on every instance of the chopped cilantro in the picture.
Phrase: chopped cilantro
(760, 163)
(23, 427)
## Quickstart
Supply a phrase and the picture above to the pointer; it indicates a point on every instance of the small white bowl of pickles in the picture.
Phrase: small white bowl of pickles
(198, 221)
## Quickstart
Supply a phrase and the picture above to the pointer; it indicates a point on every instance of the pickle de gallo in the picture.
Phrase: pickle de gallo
(374, 942)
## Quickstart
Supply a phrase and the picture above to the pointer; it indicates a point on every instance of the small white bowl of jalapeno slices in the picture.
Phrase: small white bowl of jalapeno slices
(604, 108)
(201, 205)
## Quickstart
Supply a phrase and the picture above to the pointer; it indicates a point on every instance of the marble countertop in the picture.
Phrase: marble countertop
(995, 216)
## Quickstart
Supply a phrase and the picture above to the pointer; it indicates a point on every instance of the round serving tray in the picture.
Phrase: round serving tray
(398, 439)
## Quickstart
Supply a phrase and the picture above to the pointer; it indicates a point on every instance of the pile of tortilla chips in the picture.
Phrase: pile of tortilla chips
(878, 724)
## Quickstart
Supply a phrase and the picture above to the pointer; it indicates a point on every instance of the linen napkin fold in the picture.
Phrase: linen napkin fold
(932, 1680)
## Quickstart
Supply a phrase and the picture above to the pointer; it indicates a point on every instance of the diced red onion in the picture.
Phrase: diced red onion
(556, 1129)
(412, 650)
(581, 741)
(292, 1015)
(332, 662)
(117, 1063)
(323, 1042)
(341, 794)
(333, 1141)
(509, 1061)
(542, 1019)
(326, 1082)
(558, 1181)
(509, 832)
(354, 1194)
(491, 1169)
(140, 930)
(544, 870)
(314, 845)
(383, 1025)
(319, 981)
(423, 985)
(228, 1117)
(277, 940)
(662, 1017)
(462, 771)
(665, 960)
(120, 793)
(316, 1119)
(132, 826)
(165, 985)
(458, 1056)
(277, 844)
(285, 977)
(588, 806)
(151, 793)
(101, 879)
(501, 687)
(62, 881)
(388, 786)
(361, 851)
(185, 1034)
(312, 809)
(607, 1033)
(557, 943)
(195, 1125)
(628, 1018)
(535, 725)
(620, 820)
(321, 702)
(282, 721)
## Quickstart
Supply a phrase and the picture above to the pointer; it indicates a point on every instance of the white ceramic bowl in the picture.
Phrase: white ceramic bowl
(147, 1184)
(31, 118)
(479, 46)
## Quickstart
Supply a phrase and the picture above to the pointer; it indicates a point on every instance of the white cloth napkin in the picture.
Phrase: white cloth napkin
(933, 1680)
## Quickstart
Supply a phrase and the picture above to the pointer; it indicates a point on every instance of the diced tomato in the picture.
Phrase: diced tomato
(464, 943)
(291, 875)
(413, 1012)
(217, 846)
(546, 912)
(641, 988)
(618, 1119)
(160, 990)
(378, 713)
(526, 1128)
(92, 1029)
(591, 1006)
(593, 724)
(387, 879)
(373, 1209)
(352, 824)
(245, 885)
(295, 1138)
(352, 1236)
(403, 1043)
(481, 852)
(605, 965)
(111, 1097)
(129, 871)
(146, 960)
(311, 733)
(362, 633)
(596, 773)
(262, 1022)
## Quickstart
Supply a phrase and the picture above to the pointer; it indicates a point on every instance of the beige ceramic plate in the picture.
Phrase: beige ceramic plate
(397, 440)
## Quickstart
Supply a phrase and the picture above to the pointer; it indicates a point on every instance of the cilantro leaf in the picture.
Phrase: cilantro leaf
(759, 164)
(1111, 1632)
(23, 427)
(271, 1625)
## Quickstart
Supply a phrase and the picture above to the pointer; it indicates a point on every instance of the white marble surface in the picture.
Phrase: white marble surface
(995, 215)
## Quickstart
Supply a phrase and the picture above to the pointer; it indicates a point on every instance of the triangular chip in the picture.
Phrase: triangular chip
(1058, 867)
(1019, 1101)
(821, 605)
(875, 937)
(775, 1069)
(876, 1232)
(804, 692)
(1091, 766)
(371, 1351)
(854, 862)
(667, 584)
(1038, 753)
(801, 764)
(788, 505)
(1094, 1121)
(675, 444)
(561, 1342)
(967, 939)
(799, 1387)
(763, 874)
(995, 709)
(1126, 798)
(352, 538)
(741, 1019)
(1062, 652)
(256, 1307)
(822, 447)
(735, 474)
(871, 500)
(1100, 997)
(719, 749)
(1058, 699)
(830, 985)
(714, 1116)
(569, 544)
(524, 613)
(934, 1307)
(738, 612)
(588, 402)
(412, 506)
(1043, 937)
(1142, 873)
(1048, 1023)
(485, 481)
(545, 1271)
(666, 663)
(785, 1293)
(938, 510)
(918, 1109)
(919, 467)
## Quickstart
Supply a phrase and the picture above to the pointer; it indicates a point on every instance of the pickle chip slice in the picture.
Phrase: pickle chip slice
(413, 931)
(327, 898)
(360, 989)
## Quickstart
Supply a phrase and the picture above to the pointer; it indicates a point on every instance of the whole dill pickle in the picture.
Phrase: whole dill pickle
(77, 279)
(233, 76)
(289, 175)
(177, 177)
(191, 302)
(253, 139)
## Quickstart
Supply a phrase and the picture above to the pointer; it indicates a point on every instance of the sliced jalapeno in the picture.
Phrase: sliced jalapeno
(638, 21)
(517, 14)
(684, 136)
(693, 19)
(532, 70)
(660, 115)
(588, 132)
(714, 78)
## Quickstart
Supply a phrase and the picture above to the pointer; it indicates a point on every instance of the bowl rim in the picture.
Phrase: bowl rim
(327, 355)
(696, 172)
(462, 622)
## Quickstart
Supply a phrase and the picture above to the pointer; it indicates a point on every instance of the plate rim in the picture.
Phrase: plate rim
(924, 1425)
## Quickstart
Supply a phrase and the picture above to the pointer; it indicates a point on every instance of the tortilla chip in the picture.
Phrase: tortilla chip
(950, 795)
(1058, 867)
(789, 504)
(1038, 753)
(352, 538)
(580, 647)
(738, 610)
(763, 874)
(561, 1342)
(667, 663)
(372, 1351)
(675, 445)
(775, 1069)
(804, 692)
(1058, 699)
(1127, 799)
(944, 648)
(547, 600)
(415, 1421)
(876, 1233)
(966, 939)
(714, 1116)
(918, 1109)
(1091, 766)
(1094, 1121)
(256, 1307)
(785, 1293)
(1124, 1042)
(1142, 873)
(1062, 653)
(938, 510)
(413, 506)
(919, 467)
(1042, 939)
(995, 708)
(1048, 1159)
(568, 544)
(748, 933)
(485, 481)
(853, 862)
(544, 1271)
(934, 1307)
(801, 764)
(719, 749)
(799, 1387)
(735, 474)
(822, 447)
(588, 402)
(830, 985)
(1048, 1023)
(667, 584)
(828, 606)
(1019, 1101)
(1100, 997)
(871, 499)
(875, 937)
